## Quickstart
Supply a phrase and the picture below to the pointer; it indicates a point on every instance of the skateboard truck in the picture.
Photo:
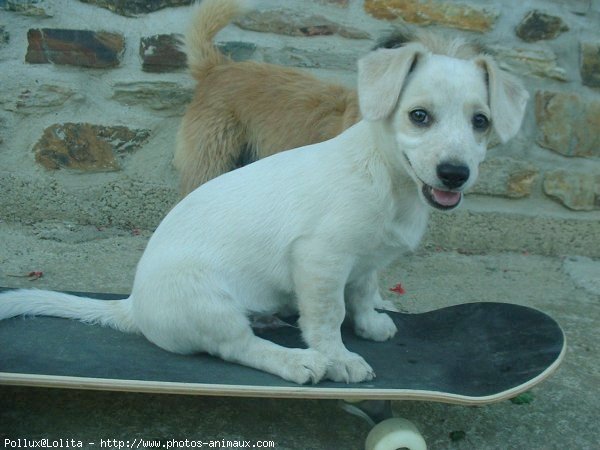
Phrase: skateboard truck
(388, 432)
(373, 411)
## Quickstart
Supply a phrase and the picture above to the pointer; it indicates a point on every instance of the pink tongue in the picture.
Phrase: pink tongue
(445, 198)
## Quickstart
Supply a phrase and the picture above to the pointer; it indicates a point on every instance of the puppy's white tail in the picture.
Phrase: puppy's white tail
(112, 313)
(208, 18)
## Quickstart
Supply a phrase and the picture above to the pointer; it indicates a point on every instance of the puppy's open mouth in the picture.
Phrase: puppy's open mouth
(444, 200)
(437, 198)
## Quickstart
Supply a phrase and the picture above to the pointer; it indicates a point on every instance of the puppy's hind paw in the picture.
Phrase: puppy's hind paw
(386, 305)
(375, 326)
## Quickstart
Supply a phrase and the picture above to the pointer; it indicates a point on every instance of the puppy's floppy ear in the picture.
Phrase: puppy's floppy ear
(381, 76)
(507, 97)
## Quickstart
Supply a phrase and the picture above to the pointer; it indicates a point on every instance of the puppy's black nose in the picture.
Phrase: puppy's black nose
(453, 175)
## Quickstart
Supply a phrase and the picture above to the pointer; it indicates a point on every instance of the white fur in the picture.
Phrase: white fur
(305, 230)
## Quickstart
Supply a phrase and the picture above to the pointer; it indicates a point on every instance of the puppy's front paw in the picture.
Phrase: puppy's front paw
(375, 326)
(305, 366)
(349, 368)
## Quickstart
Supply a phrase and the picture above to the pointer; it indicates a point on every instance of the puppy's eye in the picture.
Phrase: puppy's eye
(480, 122)
(419, 117)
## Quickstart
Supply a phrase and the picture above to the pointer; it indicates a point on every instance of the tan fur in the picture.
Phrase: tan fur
(454, 47)
(244, 111)
(250, 107)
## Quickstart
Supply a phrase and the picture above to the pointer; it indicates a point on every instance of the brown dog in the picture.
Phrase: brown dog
(244, 111)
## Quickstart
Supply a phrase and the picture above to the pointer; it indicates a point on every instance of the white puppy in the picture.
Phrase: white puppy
(309, 228)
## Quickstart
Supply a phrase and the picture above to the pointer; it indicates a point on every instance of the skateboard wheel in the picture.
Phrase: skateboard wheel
(394, 434)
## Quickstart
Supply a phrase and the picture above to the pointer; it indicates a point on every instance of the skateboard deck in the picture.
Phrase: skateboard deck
(473, 353)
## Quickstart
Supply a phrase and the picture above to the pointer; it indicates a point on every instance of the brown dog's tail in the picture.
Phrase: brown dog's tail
(208, 18)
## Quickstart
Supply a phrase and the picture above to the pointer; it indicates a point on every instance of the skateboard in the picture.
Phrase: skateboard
(469, 354)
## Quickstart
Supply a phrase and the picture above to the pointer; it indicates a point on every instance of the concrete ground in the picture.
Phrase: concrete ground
(563, 412)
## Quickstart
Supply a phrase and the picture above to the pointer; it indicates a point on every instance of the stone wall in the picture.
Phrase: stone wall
(92, 93)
